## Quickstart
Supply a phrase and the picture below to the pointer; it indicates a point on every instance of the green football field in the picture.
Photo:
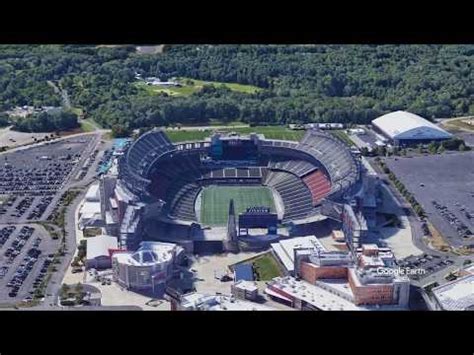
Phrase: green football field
(215, 201)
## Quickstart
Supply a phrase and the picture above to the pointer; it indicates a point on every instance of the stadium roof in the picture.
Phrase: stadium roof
(406, 125)
(149, 253)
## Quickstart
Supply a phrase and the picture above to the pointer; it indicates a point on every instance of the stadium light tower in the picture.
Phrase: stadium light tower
(231, 223)
(231, 242)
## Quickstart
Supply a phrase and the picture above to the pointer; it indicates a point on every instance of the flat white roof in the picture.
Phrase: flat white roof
(340, 285)
(90, 209)
(93, 193)
(113, 203)
(284, 249)
(457, 295)
(246, 285)
(108, 217)
(220, 303)
(100, 245)
(406, 125)
(372, 260)
(314, 295)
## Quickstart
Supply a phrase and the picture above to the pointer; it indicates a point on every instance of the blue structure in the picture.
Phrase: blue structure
(119, 144)
(243, 272)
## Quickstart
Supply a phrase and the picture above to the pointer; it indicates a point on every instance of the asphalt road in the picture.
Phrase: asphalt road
(51, 298)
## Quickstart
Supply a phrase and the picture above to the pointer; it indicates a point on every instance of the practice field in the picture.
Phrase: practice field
(270, 132)
(191, 86)
(215, 201)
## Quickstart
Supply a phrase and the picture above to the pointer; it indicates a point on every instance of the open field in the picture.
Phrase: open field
(270, 132)
(198, 84)
(273, 132)
(182, 135)
(86, 126)
(459, 124)
(190, 86)
(266, 267)
(215, 201)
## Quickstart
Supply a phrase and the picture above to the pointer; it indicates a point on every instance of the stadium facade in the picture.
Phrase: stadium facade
(160, 180)
(150, 266)
(405, 128)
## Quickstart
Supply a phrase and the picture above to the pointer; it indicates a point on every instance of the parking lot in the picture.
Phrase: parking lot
(444, 186)
(31, 179)
(40, 169)
(428, 264)
(26, 252)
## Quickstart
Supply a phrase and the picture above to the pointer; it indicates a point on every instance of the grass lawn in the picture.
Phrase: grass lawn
(78, 111)
(92, 232)
(86, 126)
(182, 135)
(190, 86)
(266, 267)
(198, 84)
(215, 201)
(270, 132)
(273, 132)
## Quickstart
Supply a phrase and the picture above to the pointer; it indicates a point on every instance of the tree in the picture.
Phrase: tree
(79, 288)
(64, 290)
(350, 84)
(381, 150)
(420, 148)
(432, 147)
(4, 120)
(79, 291)
(120, 131)
(46, 122)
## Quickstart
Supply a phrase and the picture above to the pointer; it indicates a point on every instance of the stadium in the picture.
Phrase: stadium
(186, 187)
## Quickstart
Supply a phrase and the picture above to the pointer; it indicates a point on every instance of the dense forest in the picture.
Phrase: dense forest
(301, 83)
(4, 121)
(46, 122)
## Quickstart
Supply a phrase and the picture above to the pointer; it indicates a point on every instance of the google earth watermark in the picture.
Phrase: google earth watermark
(406, 271)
